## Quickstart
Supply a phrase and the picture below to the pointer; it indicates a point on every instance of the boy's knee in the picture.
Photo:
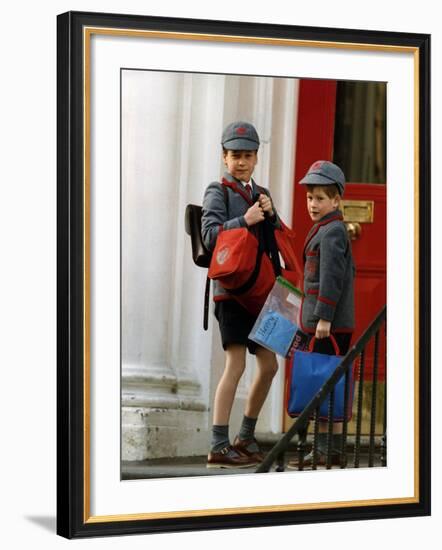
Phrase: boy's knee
(236, 360)
(268, 363)
(273, 368)
(236, 369)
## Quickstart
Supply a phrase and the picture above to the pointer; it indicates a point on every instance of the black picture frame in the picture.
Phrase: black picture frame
(73, 518)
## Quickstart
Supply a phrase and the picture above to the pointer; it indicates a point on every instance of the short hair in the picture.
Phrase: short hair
(330, 190)
(234, 150)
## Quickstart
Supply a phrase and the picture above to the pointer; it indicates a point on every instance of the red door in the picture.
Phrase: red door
(315, 141)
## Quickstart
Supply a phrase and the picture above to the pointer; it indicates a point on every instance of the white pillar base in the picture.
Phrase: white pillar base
(149, 433)
(162, 416)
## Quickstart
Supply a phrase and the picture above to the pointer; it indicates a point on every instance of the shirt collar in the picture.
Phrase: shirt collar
(229, 177)
(334, 214)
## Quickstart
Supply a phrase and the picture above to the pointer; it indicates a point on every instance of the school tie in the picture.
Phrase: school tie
(249, 189)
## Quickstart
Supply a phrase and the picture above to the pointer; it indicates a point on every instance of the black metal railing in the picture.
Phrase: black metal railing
(369, 346)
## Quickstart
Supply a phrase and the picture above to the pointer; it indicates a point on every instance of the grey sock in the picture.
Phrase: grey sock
(322, 443)
(335, 443)
(247, 430)
(220, 437)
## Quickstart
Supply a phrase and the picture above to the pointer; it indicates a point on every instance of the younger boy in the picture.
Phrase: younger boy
(328, 304)
(237, 202)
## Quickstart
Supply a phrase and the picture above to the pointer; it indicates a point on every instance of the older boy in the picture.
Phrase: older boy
(240, 204)
(328, 305)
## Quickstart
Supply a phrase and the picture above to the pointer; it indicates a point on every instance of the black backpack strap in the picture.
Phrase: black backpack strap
(271, 246)
(268, 236)
(207, 289)
(206, 304)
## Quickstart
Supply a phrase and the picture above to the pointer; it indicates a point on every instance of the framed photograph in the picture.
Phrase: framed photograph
(144, 104)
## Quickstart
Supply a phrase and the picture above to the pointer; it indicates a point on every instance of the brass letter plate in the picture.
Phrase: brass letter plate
(357, 211)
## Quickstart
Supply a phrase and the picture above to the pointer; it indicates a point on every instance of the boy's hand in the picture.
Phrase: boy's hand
(266, 204)
(254, 214)
(322, 329)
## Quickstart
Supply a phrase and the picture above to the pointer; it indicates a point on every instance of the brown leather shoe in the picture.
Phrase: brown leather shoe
(229, 458)
(321, 461)
(241, 445)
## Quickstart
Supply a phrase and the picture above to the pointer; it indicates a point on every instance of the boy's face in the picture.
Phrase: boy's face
(240, 163)
(319, 204)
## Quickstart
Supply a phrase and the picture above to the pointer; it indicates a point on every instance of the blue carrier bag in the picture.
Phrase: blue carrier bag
(308, 373)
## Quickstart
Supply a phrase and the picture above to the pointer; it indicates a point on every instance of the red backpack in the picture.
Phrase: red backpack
(242, 268)
(247, 266)
(243, 264)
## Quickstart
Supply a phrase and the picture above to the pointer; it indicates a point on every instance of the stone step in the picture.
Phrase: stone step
(196, 466)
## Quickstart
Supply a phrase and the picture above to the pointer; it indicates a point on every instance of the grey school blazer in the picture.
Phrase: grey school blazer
(215, 215)
(328, 276)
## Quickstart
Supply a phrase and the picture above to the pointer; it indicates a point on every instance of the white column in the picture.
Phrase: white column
(200, 155)
(167, 124)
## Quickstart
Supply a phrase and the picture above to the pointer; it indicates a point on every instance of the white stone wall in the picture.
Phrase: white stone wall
(171, 128)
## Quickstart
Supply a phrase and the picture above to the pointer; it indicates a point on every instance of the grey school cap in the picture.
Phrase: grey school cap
(240, 136)
(324, 172)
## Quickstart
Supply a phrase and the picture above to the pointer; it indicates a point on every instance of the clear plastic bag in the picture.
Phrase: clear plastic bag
(278, 321)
